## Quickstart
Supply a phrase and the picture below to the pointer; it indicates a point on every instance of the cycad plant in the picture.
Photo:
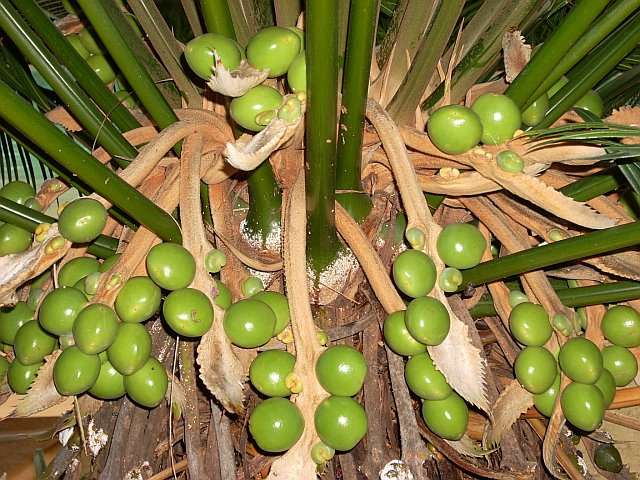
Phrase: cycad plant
(356, 238)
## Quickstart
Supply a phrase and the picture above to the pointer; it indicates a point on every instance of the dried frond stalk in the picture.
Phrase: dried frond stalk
(512, 402)
(42, 394)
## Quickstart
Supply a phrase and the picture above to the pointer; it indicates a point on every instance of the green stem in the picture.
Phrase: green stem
(554, 49)
(355, 87)
(322, 90)
(609, 21)
(29, 219)
(84, 75)
(101, 15)
(591, 187)
(594, 68)
(404, 103)
(35, 127)
(15, 72)
(613, 292)
(620, 84)
(63, 83)
(265, 201)
(217, 17)
(562, 251)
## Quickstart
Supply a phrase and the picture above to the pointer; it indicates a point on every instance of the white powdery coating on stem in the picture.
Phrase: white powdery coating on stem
(273, 242)
(334, 277)
(396, 470)
(96, 439)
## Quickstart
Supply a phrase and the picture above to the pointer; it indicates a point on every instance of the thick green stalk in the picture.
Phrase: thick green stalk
(554, 49)
(562, 251)
(217, 17)
(63, 83)
(265, 202)
(609, 21)
(100, 14)
(35, 127)
(594, 68)
(77, 66)
(591, 187)
(25, 217)
(404, 103)
(355, 87)
(613, 292)
(322, 90)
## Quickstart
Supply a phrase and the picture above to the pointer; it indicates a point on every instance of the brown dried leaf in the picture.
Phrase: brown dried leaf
(516, 53)
(624, 264)
(512, 402)
(42, 394)
(62, 117)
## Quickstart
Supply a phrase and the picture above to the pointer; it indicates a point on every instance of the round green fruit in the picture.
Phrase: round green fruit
(17, 191)
(131, 348)
(340, 422)
(535, 369)
(138, 300)
(454, 129)
(20, 377)
(607, 457)
(535, 112)
(341, 370)
(251, 285)
(78, 46)
(300, 33)
(427, 320)
(619, 361)
(447, 418)
(95, 328)
(592, 102)
(546, 400)
(621, 326)
(249, 323)
(188, 312)
(276, 424)
(11, 319)
(297, 74)
(259, 99)
(223, 298)
(414, 273)
(529, 324)
(76, 269)
(424, 379)
(199, 54)
(280, 306)
(583, 406)
(148, 385)
(581, 360)
(500, 117)
(398, 337)
(32, 343)
(100, 66)
(607, 386)
(75, 372)
(171, 266)
(110, 383)
(82, 220)
(269, 370)
(14, 239)
(59, 310)
(273, 48)
(461, 245)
